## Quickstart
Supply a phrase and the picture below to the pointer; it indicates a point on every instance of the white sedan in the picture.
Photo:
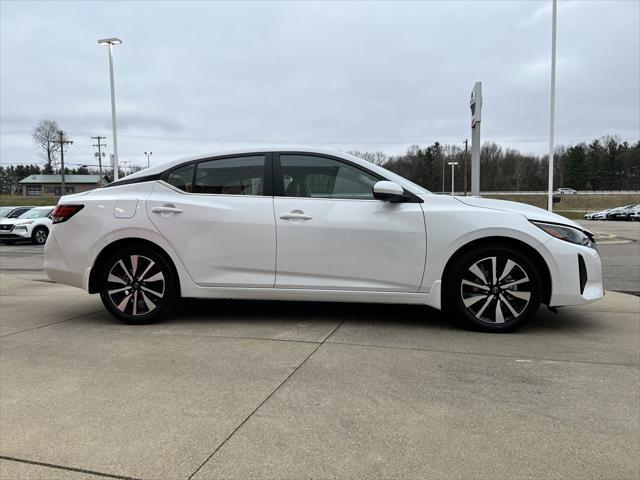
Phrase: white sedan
(312, 224)
(33, 225)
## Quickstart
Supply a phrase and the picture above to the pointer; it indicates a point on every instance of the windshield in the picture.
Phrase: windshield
(36, 213)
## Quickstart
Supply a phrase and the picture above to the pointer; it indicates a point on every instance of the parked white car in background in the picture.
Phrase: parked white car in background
(567, 191)
(312, 224)
(33, 225)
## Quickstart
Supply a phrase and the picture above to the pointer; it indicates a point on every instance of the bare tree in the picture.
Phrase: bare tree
(377, 158)
(44, 136)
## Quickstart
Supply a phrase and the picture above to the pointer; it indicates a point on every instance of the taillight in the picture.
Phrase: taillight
(62, 213)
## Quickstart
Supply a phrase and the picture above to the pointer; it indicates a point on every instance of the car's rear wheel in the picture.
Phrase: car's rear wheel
(39, 235)
(137, 285)
(493, 288)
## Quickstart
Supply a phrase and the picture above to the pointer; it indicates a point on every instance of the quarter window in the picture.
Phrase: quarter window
(181, 177)
(320, 177)
(231, 176)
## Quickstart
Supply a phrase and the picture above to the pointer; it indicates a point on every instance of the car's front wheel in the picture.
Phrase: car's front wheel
(138, 285)
(39, 235)
(493, 288)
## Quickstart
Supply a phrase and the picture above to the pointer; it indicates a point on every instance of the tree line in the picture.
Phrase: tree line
(606, 163)
(10, 176)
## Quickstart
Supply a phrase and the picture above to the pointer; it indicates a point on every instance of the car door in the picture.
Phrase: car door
(332, 233)
(218, 216)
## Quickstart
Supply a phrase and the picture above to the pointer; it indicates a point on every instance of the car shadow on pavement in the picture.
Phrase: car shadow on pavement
(379, 315)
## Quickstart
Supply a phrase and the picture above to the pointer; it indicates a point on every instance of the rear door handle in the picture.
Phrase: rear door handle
(166, 209)
(295, 215)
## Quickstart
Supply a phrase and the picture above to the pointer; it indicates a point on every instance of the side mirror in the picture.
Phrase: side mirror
(388, 192)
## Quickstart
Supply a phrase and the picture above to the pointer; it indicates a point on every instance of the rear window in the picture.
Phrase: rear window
(231, 176)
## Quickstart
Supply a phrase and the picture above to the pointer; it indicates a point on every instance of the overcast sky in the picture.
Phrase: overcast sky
(193, 77)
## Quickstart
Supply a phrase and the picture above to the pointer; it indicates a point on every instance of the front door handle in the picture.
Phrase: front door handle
(166, 209)
(295, 215)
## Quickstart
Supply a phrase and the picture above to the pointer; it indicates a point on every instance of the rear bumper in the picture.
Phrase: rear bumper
(56, 266)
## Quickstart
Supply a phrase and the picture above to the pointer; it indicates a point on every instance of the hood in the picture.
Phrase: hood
(11, 221)
(530, 212)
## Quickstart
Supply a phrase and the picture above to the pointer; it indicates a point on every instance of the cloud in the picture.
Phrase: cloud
(195, 76)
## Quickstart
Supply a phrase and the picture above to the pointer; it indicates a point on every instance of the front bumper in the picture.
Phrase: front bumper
(15, 234)
(567, 287)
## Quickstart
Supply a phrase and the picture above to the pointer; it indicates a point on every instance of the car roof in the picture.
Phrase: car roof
(241, 151)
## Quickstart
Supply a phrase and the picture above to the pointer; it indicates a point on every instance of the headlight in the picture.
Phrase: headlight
(567, 233)
(21, 227)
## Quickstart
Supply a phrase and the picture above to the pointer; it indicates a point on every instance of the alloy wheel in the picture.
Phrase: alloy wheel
(41, 236)
(136, 285)
(496, 289)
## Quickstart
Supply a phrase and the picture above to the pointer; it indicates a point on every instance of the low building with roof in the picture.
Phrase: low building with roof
(51, 185)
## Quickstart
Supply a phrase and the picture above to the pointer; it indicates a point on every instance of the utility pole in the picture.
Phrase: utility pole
(62, 143)
(465, 161)
(99, 145)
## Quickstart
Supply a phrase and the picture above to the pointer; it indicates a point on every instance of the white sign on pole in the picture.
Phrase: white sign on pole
(476, 112)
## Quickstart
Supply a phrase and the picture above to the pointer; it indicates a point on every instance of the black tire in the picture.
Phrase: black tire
(143, 291)
(481, 303)
(39, 235)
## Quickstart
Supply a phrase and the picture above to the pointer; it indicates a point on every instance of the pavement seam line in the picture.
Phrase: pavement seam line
(69, 469)
(231, 337)
(50, 324)
(265, 400)
(501, 355)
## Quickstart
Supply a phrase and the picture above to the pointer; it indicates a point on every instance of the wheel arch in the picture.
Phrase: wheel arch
(110, 249)
(518, 245)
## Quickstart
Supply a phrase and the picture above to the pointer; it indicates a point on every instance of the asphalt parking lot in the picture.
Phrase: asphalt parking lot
(304, 390)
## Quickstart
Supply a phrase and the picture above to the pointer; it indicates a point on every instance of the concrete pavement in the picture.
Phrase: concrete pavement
(288, 390)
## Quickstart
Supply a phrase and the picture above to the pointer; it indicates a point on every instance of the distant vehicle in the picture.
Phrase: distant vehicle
(624, 213)
(601, 215)
(346, 230)
(34, 224)
(613, 213)
(13, 212)
(567, 191)
(589, 215)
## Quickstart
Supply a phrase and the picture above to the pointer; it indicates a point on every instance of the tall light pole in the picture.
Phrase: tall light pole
(552, 108)
(453, 166)
(110, 42)
(148, 157)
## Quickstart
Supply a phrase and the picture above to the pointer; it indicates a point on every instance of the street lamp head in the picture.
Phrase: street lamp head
(110, 41)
